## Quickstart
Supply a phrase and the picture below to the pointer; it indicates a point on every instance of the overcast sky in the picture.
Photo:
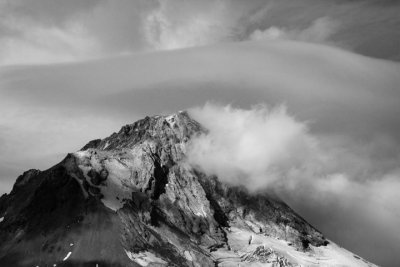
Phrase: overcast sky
(72, 71)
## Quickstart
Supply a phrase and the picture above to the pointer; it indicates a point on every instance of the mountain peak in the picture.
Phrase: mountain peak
(132, 199)
(178, 125)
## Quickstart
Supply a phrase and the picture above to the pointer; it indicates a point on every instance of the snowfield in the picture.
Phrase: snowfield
(268, 251)
(67, 256)
(145, 258)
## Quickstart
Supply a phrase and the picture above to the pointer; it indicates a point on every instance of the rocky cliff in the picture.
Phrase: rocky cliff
(132, 200)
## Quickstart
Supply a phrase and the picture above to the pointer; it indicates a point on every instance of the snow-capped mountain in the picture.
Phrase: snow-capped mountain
(132, 200)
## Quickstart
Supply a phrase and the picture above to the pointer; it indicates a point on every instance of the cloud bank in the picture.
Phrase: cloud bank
(342, 191)
(43, 31)
(262, 148)
(253, 148)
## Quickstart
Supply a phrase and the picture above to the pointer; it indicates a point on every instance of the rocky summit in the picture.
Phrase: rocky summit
(131, 199)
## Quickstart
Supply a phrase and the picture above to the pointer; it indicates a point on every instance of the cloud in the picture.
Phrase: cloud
(261, 148)
(63, 31)
(345, 102)
(320, 31)
(265, 150)
(183, 24)
(46, 32)
(362, 216)
(253, 148)
(46, 12)
(337, 91)
(46, 44)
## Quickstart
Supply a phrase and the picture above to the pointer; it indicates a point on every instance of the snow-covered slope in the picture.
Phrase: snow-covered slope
(254, 249)
(131, 200)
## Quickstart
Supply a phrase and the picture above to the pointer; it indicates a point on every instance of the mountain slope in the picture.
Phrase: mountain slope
(131, 200)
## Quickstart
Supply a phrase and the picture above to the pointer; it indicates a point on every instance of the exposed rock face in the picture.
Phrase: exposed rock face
(131, 200)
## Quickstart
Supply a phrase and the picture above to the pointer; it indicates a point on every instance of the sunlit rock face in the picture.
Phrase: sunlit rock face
(131, 199)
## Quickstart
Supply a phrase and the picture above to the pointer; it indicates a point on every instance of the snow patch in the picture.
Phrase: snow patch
(144, 258)
(1, 219)
(115, 191)
(171, 120)
(120, 167)
(188, 256)
(330, 255)
(82, 154)
(202, 212)
(106, 145)
(130, 255)
(66, 257)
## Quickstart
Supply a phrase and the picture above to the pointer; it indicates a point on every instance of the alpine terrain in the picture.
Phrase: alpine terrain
(132, 200)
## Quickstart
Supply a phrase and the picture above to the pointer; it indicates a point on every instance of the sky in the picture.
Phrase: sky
(324, 73)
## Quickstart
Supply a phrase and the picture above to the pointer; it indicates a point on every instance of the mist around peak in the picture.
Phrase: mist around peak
(330, 179)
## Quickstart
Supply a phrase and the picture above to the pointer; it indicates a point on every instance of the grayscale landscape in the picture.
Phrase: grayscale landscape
(199, 133)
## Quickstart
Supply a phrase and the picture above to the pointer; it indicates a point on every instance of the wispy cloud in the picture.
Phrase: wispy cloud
(320, 31)
(46, 44)
(185, 24)
(45, 31)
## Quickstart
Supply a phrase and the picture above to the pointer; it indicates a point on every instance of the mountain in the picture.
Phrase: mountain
(132, 200)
